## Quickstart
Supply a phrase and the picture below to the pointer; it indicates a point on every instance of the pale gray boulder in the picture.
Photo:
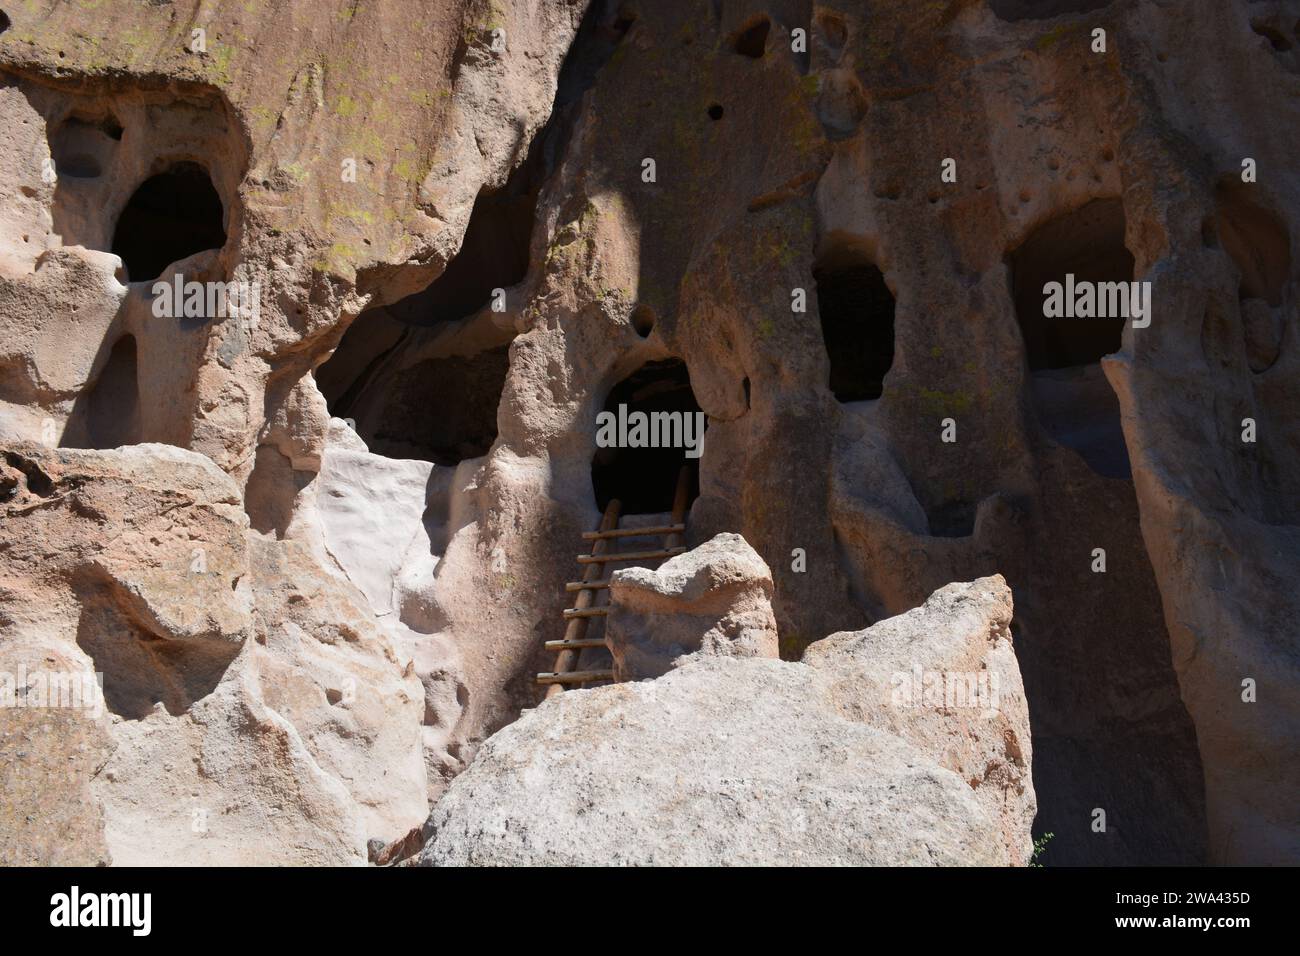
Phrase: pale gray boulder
(749, 761)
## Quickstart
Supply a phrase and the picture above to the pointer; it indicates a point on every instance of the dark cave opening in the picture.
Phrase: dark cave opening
(172, 215)
(857, 321)
(644, 479)
(440, 408)
(1087, 243)
(751, 40)
(1072, 399)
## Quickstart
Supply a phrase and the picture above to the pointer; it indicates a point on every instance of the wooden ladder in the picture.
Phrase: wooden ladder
(594, 584)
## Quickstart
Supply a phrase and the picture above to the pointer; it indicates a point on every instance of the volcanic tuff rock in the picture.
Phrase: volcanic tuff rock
(944, 677)
(713, 600)
(739, 760)
(254, 709)
(499, 154)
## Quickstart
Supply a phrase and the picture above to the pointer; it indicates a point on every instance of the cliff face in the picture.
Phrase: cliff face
(471, 225)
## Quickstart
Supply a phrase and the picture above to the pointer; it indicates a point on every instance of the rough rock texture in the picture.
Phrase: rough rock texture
(743, 761)
(445, 209)
(944, 677)
(713, 600)
(254, 711)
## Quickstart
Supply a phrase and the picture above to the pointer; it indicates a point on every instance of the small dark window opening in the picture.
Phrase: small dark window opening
(171, 216)
(1088, 244)
(752, 40)
(644, 480)
(643, 320)
(857, 319)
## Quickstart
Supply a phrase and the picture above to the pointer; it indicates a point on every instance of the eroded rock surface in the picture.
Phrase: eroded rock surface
(714, 600)
(253, 709)
(457, 245)
(732, 760)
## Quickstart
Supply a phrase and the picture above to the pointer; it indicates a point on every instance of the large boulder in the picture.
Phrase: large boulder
(714, 600)
(728, 760)
(945, 678)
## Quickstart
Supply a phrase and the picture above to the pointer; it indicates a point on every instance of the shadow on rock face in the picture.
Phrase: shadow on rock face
(108, 414)
(141, 669)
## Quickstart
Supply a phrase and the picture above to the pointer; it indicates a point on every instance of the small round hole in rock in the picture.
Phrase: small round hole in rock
(643, 320)
(4, 21)
(715, 111)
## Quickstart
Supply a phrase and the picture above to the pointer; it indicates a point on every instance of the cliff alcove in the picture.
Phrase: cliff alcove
(1072, 399)
(172, 215)
(645, 479)
(857, 321)
(422, 377)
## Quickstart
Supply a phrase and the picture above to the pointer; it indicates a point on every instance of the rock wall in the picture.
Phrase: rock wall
(410, 202)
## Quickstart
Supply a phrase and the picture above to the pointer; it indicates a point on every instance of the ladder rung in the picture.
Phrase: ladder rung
(574, 677)
(587, 585)
(575, 644)
(634, 532)
(576, 612)
(629, 556)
